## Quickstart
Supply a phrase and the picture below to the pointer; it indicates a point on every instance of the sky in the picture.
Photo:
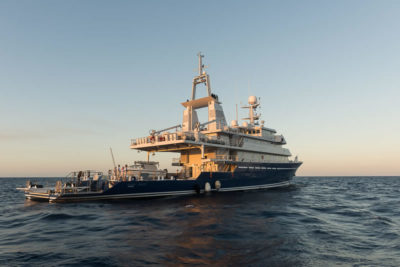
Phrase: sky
(79, 77)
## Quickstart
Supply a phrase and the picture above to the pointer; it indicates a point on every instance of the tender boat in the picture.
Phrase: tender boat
(214, 156)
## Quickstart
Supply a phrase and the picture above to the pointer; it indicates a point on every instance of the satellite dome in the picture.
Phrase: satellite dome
(245, 124)
(252, 100)
(234, 123)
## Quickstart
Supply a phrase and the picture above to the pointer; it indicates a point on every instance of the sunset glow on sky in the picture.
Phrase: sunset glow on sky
(79, 77)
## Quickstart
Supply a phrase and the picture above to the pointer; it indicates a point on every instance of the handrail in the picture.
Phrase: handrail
(227, 157)
(74, 174)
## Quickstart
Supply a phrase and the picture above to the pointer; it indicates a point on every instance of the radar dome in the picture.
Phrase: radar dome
(245, 124)
(252, 100)
(234, 123)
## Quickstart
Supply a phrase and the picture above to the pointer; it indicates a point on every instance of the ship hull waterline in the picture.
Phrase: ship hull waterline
(240, 180)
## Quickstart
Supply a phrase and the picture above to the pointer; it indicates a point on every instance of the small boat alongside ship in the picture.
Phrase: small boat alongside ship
(214, 156)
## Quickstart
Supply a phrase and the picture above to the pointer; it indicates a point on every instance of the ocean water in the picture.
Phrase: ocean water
(318, 221)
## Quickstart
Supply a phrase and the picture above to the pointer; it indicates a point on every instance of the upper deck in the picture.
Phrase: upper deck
(214, 137)
(220, 138)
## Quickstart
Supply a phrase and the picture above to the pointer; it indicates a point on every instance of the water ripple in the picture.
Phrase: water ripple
(351, 221)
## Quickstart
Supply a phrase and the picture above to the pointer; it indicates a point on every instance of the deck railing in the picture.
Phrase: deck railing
(227, 157)
(173, 137)
(157, 138)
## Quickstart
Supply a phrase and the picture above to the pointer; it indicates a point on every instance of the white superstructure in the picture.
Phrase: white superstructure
(213, 145)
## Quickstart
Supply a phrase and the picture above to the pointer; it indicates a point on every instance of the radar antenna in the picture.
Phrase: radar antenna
(253, 104)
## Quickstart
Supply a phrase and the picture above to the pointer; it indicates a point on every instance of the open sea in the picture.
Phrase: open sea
(318, 221)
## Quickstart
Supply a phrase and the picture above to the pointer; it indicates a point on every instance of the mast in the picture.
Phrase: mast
(216, 115)
(201, 66)
(201, 78)
(112, 156)
(253, 104)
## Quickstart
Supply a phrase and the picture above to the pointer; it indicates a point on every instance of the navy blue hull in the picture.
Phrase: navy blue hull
(247, 176)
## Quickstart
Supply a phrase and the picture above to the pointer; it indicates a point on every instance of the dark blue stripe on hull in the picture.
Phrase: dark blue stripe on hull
(251, 177)
(241, 179)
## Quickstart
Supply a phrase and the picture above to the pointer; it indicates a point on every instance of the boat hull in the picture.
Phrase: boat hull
(246, 177)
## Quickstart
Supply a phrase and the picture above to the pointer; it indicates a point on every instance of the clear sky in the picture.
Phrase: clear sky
(78, 77)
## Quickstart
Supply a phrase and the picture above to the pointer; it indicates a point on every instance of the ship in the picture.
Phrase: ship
(214, 156)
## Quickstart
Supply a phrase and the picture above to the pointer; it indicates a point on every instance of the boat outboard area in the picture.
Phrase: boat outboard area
(214, 156)
(93, 185)
(77, 182)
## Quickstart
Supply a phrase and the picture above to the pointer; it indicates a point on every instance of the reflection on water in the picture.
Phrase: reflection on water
(318, 221)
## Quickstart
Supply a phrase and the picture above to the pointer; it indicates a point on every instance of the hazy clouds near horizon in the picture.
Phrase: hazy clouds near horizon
(79, 77)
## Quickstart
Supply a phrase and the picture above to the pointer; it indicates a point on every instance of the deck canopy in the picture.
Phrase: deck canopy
(198, 103)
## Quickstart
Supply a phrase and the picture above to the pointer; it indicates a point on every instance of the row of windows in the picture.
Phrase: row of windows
(261, 168)
(253, 132)
(255, 168)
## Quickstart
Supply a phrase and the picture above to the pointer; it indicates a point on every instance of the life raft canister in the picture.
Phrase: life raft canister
(217, 184)
(207, 187)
